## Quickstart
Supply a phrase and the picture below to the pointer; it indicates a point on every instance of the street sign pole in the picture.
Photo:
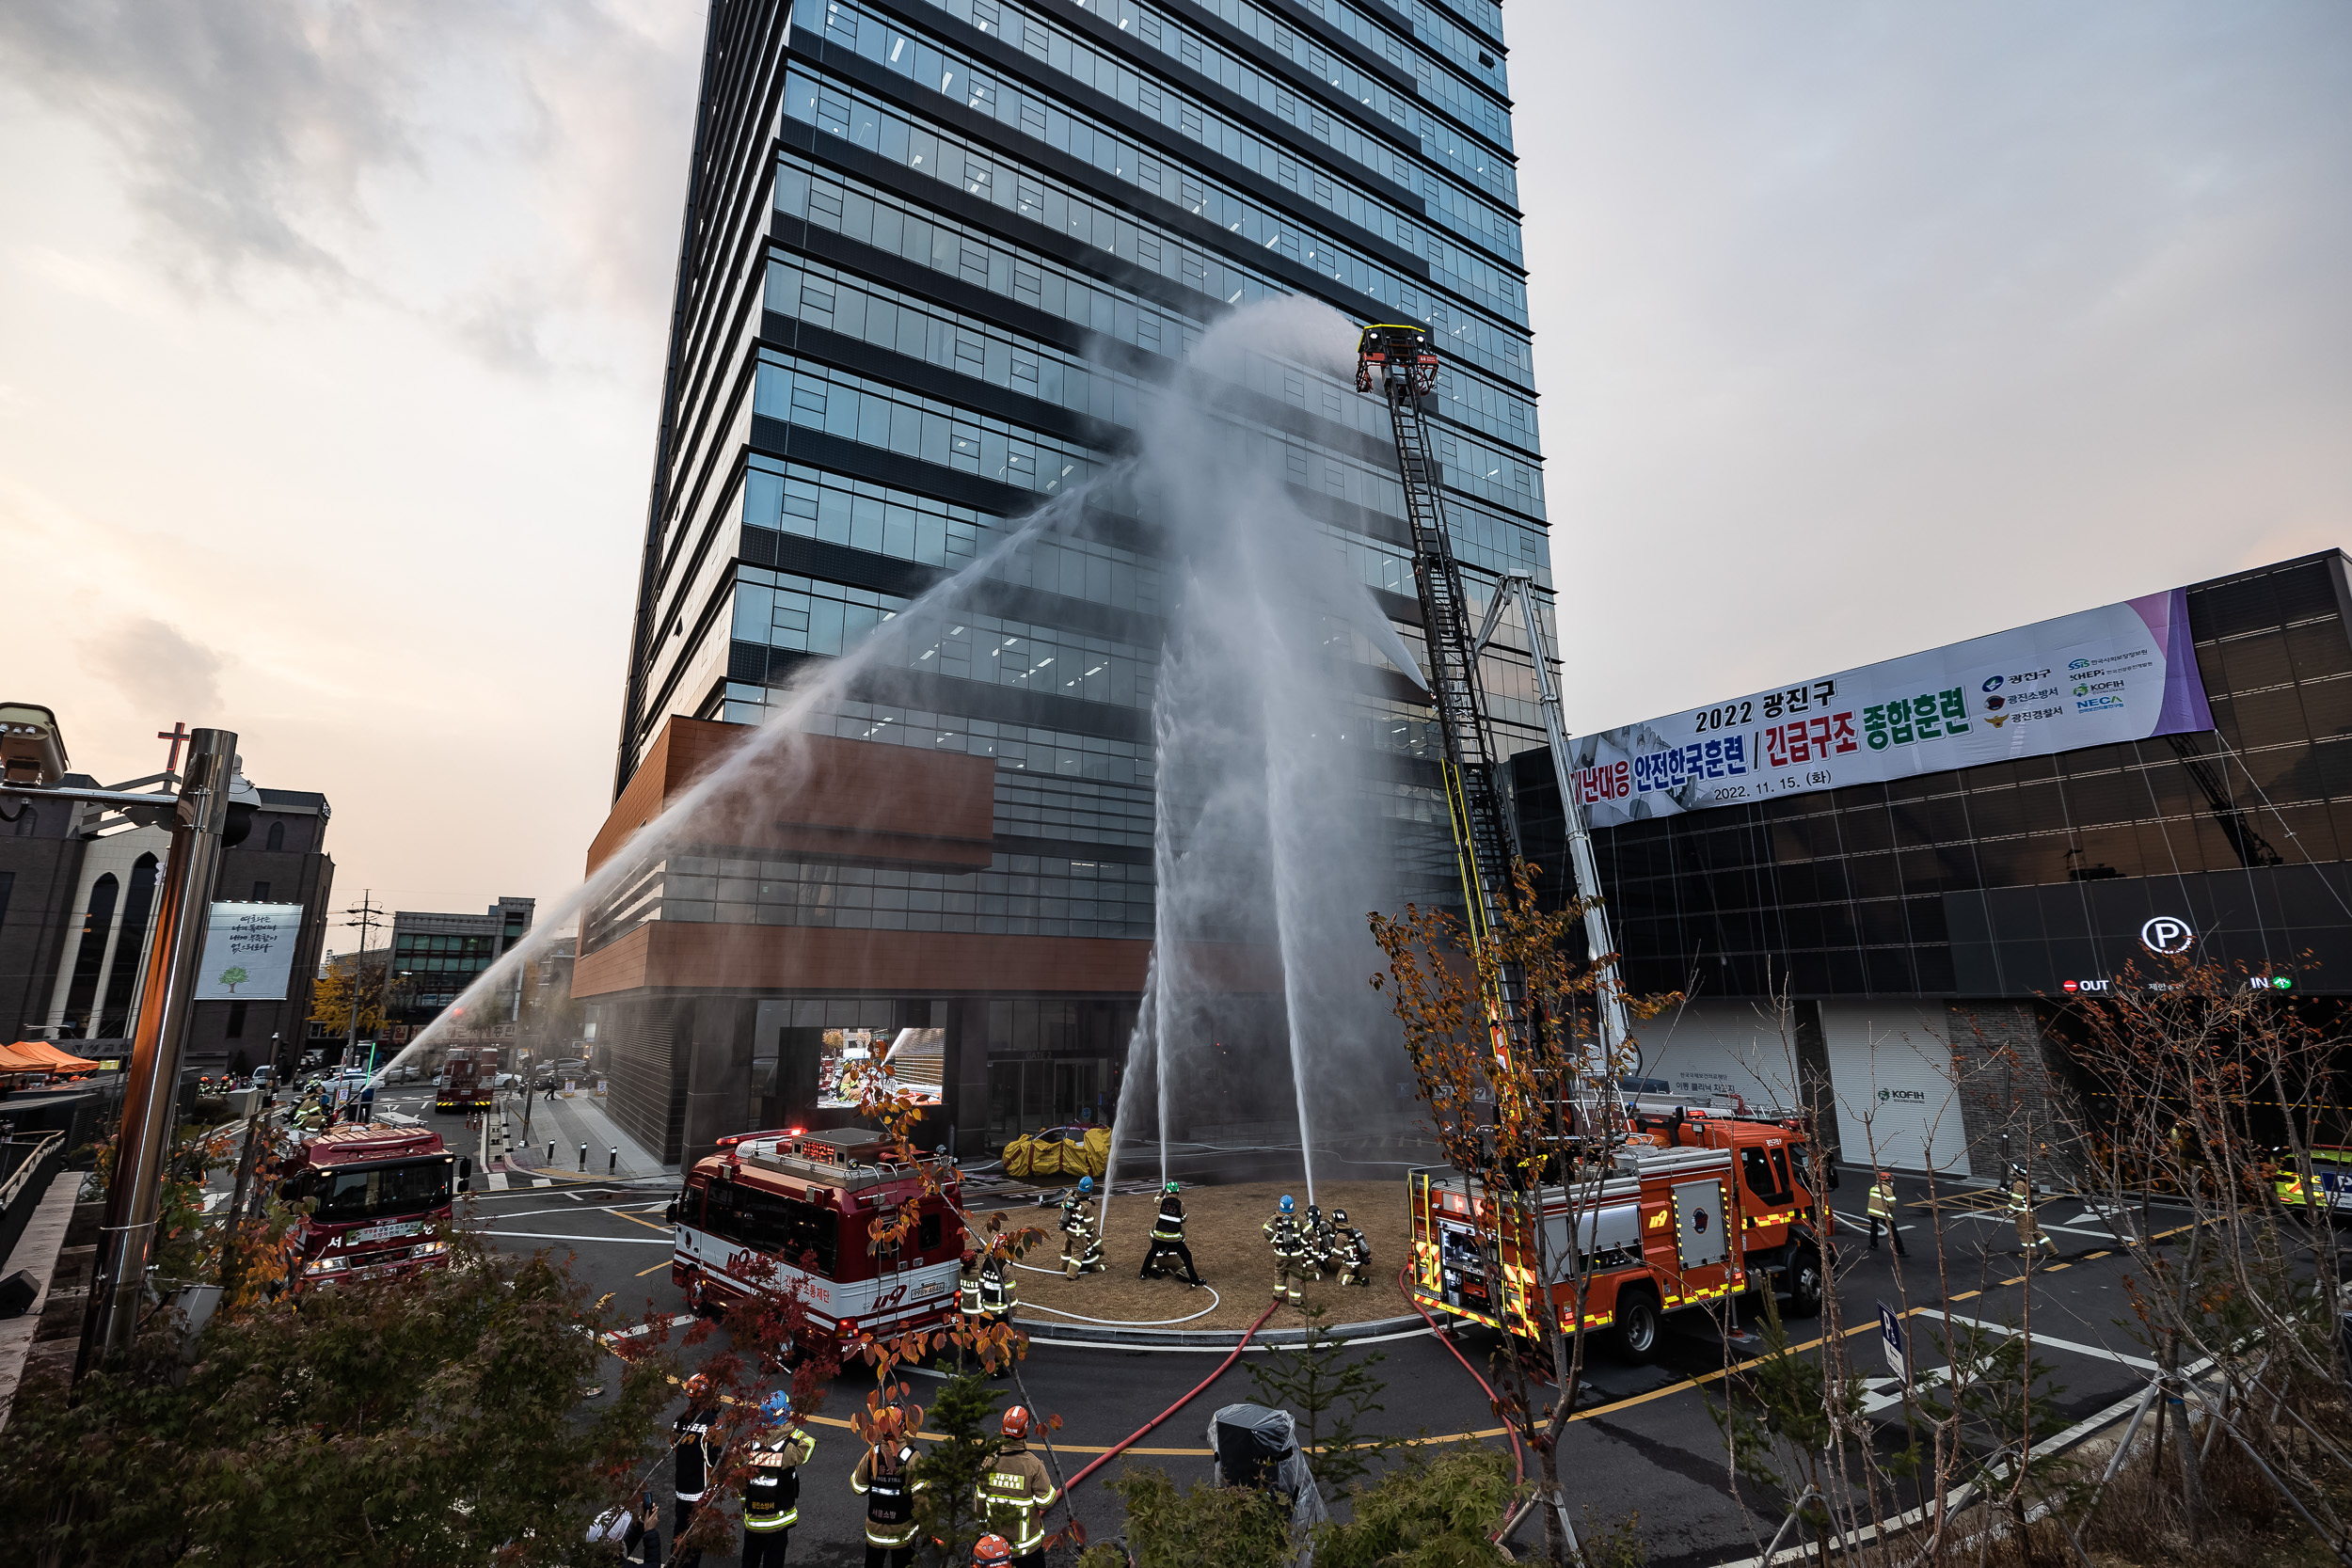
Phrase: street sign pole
(152, 1088)
(1891, 1337)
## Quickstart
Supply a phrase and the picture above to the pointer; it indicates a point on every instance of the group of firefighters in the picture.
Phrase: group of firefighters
(1013, 1498)
(1308, 1247)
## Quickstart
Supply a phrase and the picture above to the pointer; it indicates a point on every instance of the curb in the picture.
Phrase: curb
(1205, 1338)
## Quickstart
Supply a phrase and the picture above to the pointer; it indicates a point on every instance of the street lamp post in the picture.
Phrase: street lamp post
(150, 1092)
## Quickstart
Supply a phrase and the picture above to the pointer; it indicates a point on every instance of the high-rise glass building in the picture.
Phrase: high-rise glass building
(935, 255)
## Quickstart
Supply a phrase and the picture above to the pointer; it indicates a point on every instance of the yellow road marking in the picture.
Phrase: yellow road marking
(641, 1220)
(663, 1264)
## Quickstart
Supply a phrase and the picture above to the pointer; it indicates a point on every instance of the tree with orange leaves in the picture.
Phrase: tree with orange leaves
(1490, 1030)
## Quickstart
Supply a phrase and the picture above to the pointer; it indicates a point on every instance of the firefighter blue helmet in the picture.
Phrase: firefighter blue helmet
(1085, 1183)
(777, 1406)
(1288, 1206)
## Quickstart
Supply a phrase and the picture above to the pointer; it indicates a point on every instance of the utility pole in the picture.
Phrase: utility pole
(369, 916)
(150, 1092)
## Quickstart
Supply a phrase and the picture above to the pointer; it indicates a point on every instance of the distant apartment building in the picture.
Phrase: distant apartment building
(435, 957)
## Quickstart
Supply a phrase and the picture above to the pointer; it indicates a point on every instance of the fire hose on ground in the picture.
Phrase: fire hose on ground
(1519, 1457)
(1140, 1432)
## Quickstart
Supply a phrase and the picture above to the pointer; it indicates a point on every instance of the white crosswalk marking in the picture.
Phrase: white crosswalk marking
(497, 1181)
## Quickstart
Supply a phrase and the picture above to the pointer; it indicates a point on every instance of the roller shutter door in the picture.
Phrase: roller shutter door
(1891, 1070)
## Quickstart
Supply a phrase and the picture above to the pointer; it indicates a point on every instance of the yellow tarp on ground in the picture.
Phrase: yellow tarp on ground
(1065, 1151)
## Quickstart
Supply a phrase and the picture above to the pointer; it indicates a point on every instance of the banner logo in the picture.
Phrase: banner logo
(2166, 935)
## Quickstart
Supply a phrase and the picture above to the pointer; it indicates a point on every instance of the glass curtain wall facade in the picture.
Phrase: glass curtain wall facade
(936, 255)
(2016, 879)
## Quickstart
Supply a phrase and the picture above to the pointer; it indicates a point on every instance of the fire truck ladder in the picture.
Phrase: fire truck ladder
(1397, 359)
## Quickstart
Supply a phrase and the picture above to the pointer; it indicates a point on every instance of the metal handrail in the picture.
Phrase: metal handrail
(21, 1177)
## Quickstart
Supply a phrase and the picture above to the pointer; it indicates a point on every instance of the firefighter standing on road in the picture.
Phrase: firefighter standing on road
(695, 1447)
(1290, 1251)
(2029, 1233)
(1017, 1491)
(1000, 1294)
(1883, 1208)
(1355, 1251)
(772, 1493)
(883, 1478)
(1167, 1240)
(1081, 1241)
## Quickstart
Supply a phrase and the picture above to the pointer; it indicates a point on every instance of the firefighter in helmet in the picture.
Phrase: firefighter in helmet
(884, 1477)
(695, 1447)
(1081, 1241)
(1355, 1251)
(1322, 1245)
(1290, 1251)
(771, 1491)
(2029, 1233)
(992, 1551)
(1017, 1491)
(1001, 1295)
(1167, 1240)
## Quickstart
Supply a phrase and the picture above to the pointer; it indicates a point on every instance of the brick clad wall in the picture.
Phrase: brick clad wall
(2005, 1075)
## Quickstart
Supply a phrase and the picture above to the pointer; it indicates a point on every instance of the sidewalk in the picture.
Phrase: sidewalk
(567, 1124)
(37, 1252)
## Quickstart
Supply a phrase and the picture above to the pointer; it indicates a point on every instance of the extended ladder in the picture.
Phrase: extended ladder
(1397, 361)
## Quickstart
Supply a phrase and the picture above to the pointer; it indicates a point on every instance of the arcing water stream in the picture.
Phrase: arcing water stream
(1268, 844)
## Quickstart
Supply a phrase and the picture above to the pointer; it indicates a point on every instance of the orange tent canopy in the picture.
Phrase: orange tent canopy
(41, 1056)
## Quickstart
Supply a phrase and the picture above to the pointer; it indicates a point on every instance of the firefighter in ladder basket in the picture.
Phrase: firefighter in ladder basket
(772, 1493)
(884, 1478)
(1168, 1240)
(1081, 1240)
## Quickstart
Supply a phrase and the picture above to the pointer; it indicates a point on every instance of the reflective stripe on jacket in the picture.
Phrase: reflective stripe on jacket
(1170, 1226)
(1883, 1202)
(1018, 1482)
(889, 1500)
(1282, 1231)
(772, 1494)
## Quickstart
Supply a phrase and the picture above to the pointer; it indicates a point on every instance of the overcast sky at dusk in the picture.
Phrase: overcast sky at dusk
(333, 333)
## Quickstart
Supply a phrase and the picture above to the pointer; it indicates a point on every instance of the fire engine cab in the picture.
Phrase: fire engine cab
(1696, 1205)
(803, 1205)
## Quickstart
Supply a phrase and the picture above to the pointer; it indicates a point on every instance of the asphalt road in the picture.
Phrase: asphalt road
(1644, 1442)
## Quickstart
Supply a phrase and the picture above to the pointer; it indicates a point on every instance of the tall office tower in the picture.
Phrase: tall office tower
(936, 255)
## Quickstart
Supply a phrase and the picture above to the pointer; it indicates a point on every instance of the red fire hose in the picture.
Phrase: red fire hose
(1125, 1443)
(1518, 1458)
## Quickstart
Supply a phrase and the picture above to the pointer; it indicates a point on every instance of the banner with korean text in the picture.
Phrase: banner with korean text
(2124, 671)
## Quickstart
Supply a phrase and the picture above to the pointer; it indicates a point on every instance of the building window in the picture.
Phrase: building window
(276, 838)
(236, 1022)
(260, 890)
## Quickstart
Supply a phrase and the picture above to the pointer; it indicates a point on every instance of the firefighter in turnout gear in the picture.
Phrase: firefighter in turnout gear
(1882, 1213)
(968, 1289)
(1017, 1491)
(1290, 1251)
(883, 1478)
(771, 1491)
(696, 1448)
(1355, 1251)
(1168, 1240)
(1081, 1241)
(1000, 1293)
(2029, 1233)
(1322, 1244)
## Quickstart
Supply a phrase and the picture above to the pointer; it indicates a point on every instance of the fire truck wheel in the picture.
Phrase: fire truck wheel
(1805, 1284)
(1635, 1335)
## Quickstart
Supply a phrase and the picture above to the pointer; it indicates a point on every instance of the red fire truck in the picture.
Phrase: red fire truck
(469, 1074)
(375, 1196)
(804, 1204)
(1696, 1206)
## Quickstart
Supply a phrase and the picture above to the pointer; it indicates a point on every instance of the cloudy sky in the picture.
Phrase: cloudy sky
(331, 342)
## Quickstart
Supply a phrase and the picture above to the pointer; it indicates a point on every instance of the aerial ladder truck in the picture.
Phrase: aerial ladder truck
(1397, 363)
(1684, 1205)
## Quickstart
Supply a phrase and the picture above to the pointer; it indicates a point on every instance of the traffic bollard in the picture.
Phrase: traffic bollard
(551, 1151)
(583, 1157)
(613, 1161)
